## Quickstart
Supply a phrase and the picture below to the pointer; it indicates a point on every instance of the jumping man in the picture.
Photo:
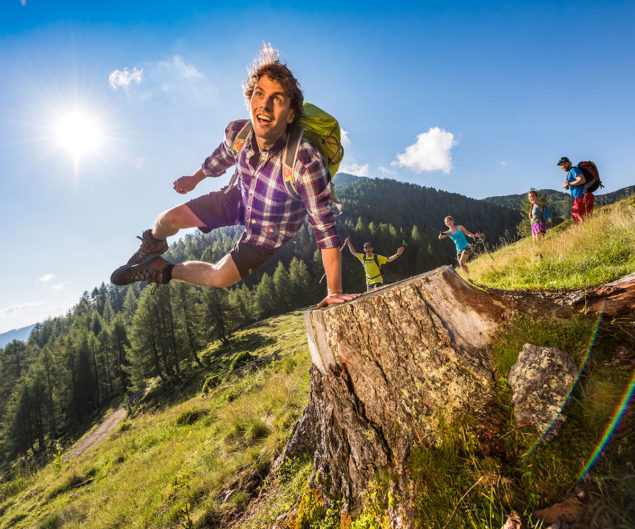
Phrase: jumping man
(260, 200)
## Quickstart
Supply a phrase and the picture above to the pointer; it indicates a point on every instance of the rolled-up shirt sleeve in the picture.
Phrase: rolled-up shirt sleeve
(315, 193)
(224, 156)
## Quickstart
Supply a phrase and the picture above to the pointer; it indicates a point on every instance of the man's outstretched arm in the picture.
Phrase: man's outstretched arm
(351, 248)
(393, 257)
(187, 183)
(332, 261)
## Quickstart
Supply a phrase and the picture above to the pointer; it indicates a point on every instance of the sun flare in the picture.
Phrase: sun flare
(79, 134)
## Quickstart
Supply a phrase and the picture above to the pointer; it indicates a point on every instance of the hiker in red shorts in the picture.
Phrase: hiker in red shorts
(582, 199)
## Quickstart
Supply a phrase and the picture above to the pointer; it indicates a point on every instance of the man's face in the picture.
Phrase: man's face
(368, 249)
(270, 111)
(566, 166)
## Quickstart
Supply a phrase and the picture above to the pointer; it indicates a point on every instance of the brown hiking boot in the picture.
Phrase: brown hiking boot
(149, 247)
(154, 268)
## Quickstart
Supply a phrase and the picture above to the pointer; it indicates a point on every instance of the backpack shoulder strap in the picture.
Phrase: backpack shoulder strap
(241, 137)
(237, 146)
(290, 154)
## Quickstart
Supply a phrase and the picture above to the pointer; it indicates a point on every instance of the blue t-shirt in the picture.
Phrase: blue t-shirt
(458, 237)
(576, 191)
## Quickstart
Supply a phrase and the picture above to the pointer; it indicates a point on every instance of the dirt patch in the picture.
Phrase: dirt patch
(107, 425)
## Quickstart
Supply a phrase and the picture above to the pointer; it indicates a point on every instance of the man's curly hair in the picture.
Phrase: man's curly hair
(268, 63)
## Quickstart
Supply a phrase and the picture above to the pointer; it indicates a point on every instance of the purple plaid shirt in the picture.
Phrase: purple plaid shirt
(273, 215)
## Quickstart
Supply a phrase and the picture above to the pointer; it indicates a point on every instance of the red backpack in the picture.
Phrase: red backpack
(591, 175)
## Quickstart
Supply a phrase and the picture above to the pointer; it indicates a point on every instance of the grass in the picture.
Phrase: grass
(198, 454)
(571, 256)
(466, 483)
(192, 464)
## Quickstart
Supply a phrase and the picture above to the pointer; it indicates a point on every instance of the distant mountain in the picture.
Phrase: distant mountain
(16, 334)
(559, 201)
(345, 178)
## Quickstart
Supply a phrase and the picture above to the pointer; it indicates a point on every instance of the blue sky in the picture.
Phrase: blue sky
(479, 98)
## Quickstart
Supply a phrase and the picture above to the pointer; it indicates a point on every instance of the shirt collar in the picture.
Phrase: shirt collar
(274, 149)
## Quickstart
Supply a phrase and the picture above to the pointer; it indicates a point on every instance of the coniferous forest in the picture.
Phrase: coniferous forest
(54, 386)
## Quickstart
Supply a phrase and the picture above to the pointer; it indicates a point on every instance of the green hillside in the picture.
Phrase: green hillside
(560, 202)
(571, 256)
(53, 386)
(197, 452)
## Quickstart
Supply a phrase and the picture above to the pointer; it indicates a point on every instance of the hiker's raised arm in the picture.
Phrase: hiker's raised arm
(351, 248)
(443, 234)
(397, 254)
(332, 261)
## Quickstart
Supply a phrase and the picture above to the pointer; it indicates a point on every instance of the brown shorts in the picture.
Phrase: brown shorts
(225, 208)
(248, 257)
(218, 208)
(467, 251)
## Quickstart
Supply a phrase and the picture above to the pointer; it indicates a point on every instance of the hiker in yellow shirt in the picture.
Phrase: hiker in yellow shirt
(372, 263)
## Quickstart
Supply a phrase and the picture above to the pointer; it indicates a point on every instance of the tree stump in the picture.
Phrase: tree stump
(391, 368)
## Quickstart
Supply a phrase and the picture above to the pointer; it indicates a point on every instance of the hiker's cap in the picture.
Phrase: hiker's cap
(562, 160)
(368, 245)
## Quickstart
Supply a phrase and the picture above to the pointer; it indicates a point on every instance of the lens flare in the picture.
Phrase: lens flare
(608, 432)
(573, 385)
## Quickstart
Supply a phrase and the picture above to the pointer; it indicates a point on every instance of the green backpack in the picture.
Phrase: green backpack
(317, 126)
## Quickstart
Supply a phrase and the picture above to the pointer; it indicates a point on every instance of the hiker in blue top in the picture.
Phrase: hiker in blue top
(582, 199)
(463, 248)
(538, 216)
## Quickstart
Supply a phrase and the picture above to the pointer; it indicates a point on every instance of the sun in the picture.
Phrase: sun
(79, 133)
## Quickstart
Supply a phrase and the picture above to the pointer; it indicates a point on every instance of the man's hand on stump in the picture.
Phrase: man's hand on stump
(335, 298)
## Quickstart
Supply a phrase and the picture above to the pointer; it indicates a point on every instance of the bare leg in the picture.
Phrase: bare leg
(171, 221)
(463, 264)
(224, 273)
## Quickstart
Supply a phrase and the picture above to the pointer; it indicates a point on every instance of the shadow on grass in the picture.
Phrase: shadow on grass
(218, 361)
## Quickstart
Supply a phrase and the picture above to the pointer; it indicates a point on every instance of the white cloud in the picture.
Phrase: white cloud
(346, 141)
(349, 163)
(385, 170)
(179, 67)
(21, 307)
(432, 152)
(45, 278)
(57, 287)
(504, 163)
(124, 77)
(354, 168)
(172, 76)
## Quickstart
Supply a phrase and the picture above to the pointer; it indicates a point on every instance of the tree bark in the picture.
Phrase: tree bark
(393, 366)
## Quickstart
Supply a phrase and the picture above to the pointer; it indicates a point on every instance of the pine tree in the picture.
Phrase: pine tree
(300, 283)
(265, 297)
(281, 281)
(218, 314)
(17, 428)
(145, 358)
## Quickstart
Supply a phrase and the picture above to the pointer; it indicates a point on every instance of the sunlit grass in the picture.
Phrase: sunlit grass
(571, 256)
(190, 463)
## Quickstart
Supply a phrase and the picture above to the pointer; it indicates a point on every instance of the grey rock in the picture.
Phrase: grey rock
(541, 380)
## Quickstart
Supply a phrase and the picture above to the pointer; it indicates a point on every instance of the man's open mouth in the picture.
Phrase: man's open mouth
(264, 119)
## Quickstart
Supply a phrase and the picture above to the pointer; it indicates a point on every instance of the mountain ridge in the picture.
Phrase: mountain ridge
(22, 334)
